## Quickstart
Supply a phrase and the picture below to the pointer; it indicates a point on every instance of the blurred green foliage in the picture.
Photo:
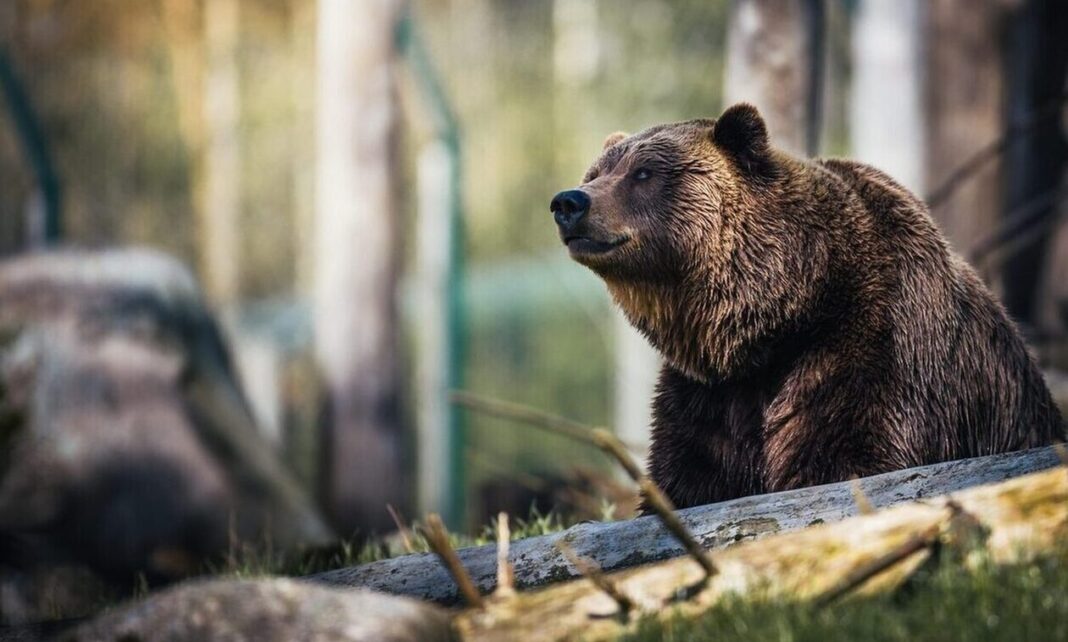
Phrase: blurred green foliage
(536, 100)
(536, 86)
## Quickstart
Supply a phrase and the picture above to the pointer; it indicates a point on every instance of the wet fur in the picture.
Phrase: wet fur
(814, 323)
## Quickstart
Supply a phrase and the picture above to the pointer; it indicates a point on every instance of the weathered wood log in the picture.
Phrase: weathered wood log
(617, 545)
(1013, 521)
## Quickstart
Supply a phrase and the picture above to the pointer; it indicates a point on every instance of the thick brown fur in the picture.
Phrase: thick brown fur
(813, 321)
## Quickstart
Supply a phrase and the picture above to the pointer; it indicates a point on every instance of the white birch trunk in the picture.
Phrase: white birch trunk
(356, 260)
(886, 114)
(768, 65)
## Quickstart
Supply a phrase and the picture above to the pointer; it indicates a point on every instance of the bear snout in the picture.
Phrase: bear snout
(568, 208)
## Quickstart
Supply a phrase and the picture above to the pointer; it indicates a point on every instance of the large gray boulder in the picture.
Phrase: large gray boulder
(126, 444)
(268, 610)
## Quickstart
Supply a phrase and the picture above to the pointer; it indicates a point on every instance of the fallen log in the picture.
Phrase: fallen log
(618, 545)
(1010, 522)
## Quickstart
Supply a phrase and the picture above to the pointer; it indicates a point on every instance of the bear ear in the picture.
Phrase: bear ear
(742, 134)
(614, 138)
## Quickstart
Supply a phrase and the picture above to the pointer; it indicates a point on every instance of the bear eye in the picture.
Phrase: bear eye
(642, 174)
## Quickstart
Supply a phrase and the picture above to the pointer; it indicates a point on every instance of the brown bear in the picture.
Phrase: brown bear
(814, 323)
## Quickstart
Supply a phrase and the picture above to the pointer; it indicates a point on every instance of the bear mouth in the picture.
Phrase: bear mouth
(587, 246)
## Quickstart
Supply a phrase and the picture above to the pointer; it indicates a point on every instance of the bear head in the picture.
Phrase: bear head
(708, 239)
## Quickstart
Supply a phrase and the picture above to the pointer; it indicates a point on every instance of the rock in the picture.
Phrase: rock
(126, 444)
(268, 610)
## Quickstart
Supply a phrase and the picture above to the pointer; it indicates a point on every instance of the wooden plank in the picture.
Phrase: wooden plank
(618, 545)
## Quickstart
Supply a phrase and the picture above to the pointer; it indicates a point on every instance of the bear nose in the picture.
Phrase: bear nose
(568, 208)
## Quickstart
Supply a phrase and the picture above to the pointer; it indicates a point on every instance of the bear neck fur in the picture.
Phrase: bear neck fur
(705, 325)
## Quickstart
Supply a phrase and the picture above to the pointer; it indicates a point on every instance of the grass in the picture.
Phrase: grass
(248, 560)
(943, 603)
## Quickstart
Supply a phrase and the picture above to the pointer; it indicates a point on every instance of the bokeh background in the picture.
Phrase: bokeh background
(361, 189)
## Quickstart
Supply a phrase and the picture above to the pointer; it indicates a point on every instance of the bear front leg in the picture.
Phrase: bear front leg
(829, 442)
(706, 441)
(688, 476)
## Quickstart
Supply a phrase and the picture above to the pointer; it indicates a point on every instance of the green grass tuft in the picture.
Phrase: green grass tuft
(944, 603)
(258, 560)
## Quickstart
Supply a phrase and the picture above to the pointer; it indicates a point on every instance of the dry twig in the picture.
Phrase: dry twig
(1062, 452)
(603, 439)
(438, 539)
(592, 572)
(861, 500)
(405, 533)
(530, 416)
(505, 577)
(661, 505)
(865, 572)
(1061, 449)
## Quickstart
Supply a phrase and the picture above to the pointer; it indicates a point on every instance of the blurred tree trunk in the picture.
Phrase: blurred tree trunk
(1035, 289)
(183, 26)
(302, 43)
(965, 91)
(775, 61)
(202, 42)
(357, 253)
(12, 226)
(886, 111)
(220, 210)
